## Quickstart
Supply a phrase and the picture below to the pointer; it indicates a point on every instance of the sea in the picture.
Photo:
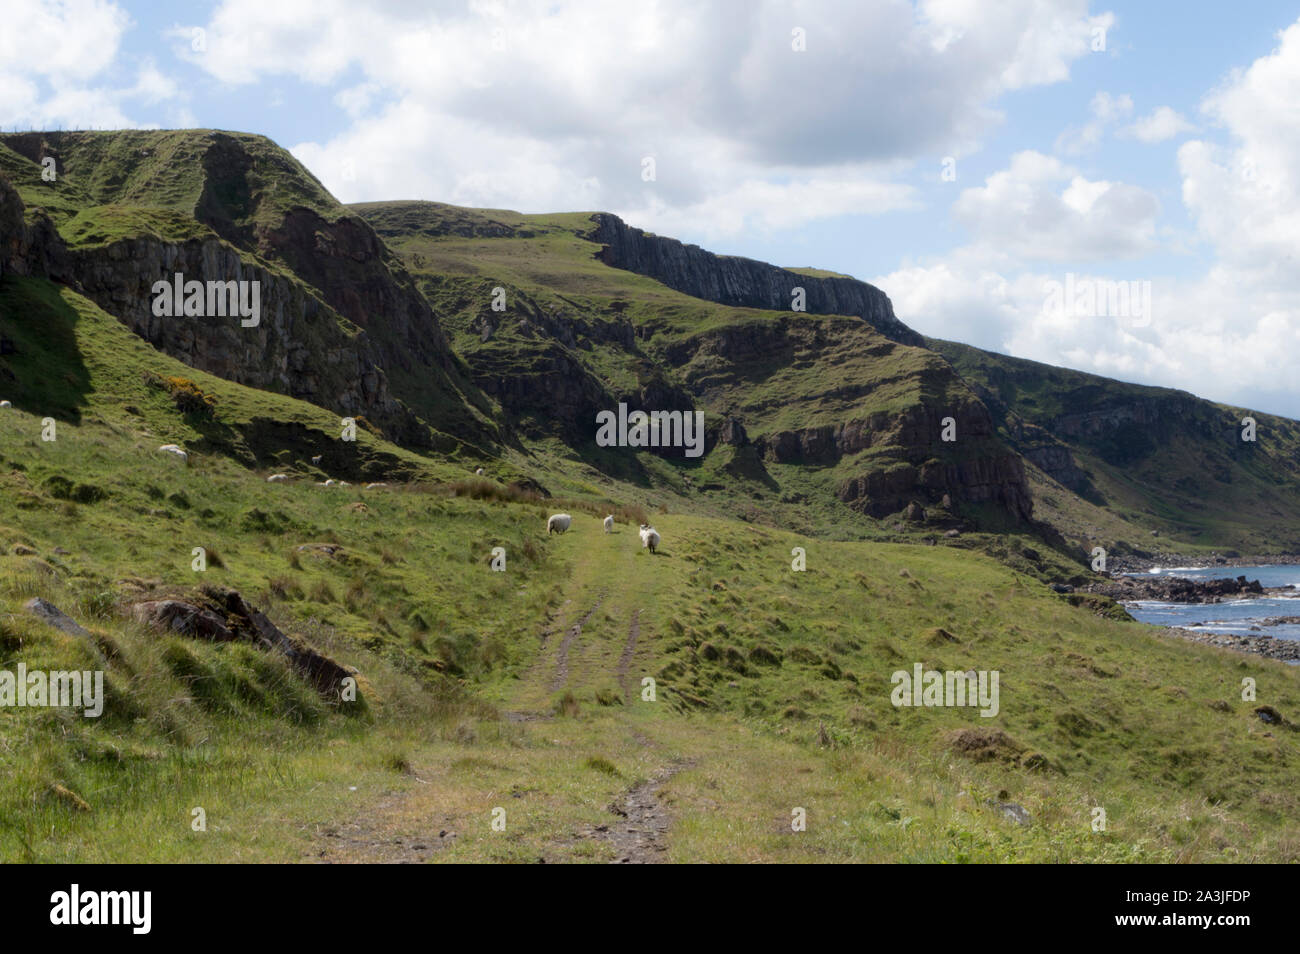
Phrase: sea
(1239, 617)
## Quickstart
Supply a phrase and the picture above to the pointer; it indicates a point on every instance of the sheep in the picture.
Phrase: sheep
(479, 472)
(316, 460)
(558, 523)
(609, 523)
(325, 483)
(277, 478)
(374, 485)
(6, 404)
(649, 537)
(174, 449)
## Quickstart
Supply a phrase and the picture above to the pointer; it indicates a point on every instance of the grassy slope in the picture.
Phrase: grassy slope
(836, 369)
(1122, 716)
(1191, 478)
(165, 169)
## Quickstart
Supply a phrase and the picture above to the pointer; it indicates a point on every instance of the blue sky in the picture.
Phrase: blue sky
(1166, 155)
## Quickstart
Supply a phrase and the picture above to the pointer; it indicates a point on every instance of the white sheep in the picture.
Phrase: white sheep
(558, 523)
(376, 484)
(174, 449)
(609, 523)
(277, 478)
(649, 537)
(6, 404)
(325, 483)
(316, 460)
(479, 472)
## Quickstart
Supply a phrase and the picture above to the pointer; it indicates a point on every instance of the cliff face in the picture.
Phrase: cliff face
(742, 282)
(300, 346)
(844, 413)
(317, 263)
(29, 243)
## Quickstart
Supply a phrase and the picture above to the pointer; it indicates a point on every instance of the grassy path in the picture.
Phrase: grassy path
(567, 805)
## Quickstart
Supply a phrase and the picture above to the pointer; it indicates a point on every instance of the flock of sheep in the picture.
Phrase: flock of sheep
(560, 522)
(556, 523)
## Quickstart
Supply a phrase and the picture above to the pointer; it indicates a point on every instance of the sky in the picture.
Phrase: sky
(1109, 187)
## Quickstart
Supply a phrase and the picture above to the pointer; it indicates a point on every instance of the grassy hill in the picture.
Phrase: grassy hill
(772, 685)
(1154, 458)
(529, 690)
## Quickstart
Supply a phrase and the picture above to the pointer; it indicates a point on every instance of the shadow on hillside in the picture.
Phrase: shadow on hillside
(42, 370)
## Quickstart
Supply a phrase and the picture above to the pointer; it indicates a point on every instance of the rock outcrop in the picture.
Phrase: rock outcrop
(344, 325)
(896, 456)
(1175, 589)
(743, 282)
(222, 615)
(300, 347)
(29, 242)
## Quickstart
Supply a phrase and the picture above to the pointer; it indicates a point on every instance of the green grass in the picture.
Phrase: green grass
(522, 690)
(773, 685)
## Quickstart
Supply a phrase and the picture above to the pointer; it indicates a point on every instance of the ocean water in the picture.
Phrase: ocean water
(1231, 616)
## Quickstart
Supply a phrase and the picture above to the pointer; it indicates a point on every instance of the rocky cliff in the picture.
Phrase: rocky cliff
(29, 242)
(730, 280)
(874, 411)
(301, 347)
(344, 325)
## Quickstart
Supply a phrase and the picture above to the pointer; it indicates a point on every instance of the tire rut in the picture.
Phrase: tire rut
(640, 835)
(572, 633)
(625, 660)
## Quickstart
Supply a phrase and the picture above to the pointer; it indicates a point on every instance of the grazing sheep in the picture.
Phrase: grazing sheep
(6, 404)
(479, 472)
(174, 449)
(344, 483)
(649, 537)
(325, 483)
(609, 523)
(374, 485)
(558, 523)
(316, 460)
(277, 478)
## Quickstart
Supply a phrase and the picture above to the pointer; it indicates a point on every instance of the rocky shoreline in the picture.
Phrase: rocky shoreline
(1287, 650)
(1174, 589)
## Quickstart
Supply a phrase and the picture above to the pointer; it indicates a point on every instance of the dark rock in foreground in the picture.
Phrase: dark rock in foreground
(221, 614)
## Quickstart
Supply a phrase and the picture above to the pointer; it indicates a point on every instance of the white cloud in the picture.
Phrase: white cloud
(554, 105)
(1106, 110)
(56, 61)
(66, 42)
(1162, 124)
(1231, 335)
(1039, 209)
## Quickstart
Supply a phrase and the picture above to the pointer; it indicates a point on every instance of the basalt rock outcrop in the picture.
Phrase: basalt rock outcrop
(344, 325)
(893, 457)
(29, 242)
(743, 282)
(300, 347)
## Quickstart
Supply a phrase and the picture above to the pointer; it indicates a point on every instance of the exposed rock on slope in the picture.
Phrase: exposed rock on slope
(300, 346)
(870, 408)
(730, 280)
(29, 243)
(278, 225)
(1166, 459)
